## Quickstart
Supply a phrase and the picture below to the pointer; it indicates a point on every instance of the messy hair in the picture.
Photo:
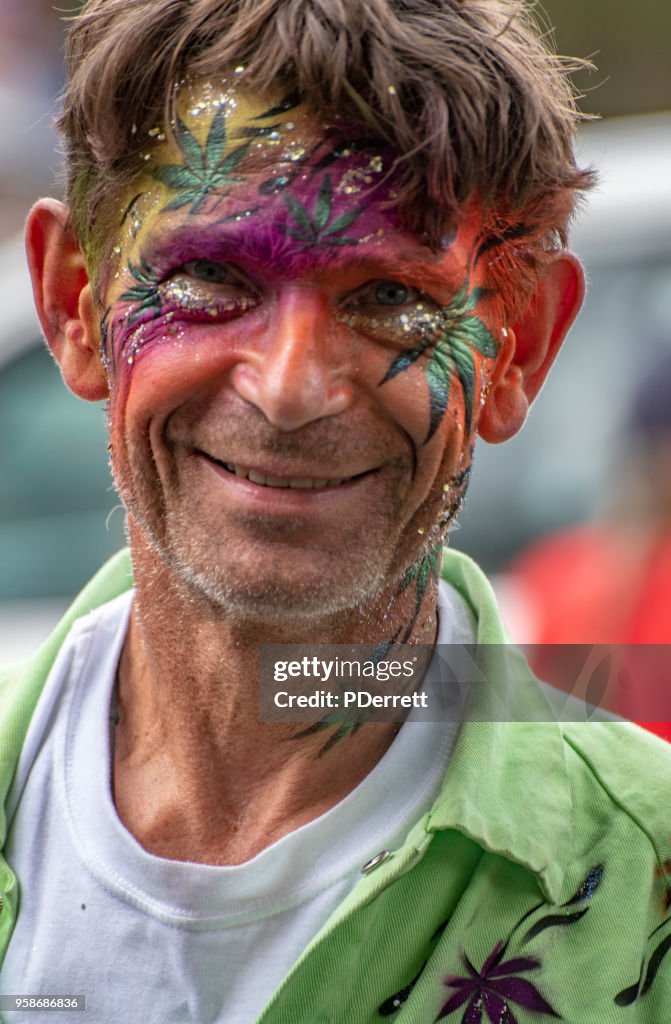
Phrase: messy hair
(468, 93)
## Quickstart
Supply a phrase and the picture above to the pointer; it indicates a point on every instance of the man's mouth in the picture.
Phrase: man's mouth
(264, 480)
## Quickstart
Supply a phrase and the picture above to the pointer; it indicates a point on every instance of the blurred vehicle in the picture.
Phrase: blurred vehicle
(56, 494)
(57, 505)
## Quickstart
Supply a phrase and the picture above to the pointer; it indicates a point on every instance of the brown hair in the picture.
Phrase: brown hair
(467, 92)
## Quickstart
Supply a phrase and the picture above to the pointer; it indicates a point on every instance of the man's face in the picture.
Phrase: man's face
(295, 379)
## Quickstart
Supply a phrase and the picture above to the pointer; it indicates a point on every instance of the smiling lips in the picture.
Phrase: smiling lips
(267, 480)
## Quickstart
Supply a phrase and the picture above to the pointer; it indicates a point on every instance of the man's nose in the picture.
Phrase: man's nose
(298, 375)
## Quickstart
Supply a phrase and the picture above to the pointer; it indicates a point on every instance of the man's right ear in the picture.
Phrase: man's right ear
(64, 299)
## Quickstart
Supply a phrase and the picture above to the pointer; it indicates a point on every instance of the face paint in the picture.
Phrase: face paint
(445, 338)
(205, 169)
(424, 574)
(258, 262)
(297, 219)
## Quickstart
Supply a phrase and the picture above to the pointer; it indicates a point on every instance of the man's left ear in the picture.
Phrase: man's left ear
(529, 347)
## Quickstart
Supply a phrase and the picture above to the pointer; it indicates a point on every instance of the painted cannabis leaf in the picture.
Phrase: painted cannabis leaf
(204, 168)
(316, 227)
(145, 293)
(339, 719)
(450, 350)
(422, 572)
(346, 722)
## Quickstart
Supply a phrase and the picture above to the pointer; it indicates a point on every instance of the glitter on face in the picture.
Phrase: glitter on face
(190, 296)
(356, 179)
(184, 298)
(402, 328)
(310, 199)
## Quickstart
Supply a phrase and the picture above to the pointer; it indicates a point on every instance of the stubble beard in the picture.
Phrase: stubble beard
(348, 578)
(211, 572)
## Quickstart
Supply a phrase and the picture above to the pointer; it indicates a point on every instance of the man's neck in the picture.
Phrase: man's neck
(197, 776)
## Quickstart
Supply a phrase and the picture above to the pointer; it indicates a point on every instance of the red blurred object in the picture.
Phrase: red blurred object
(598, 585)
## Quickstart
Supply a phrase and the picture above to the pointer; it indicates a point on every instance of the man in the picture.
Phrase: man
(311, 250)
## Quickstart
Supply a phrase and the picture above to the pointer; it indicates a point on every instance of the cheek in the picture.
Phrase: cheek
(436, 410)
(172, 364)
(405, 400)
(173, 320)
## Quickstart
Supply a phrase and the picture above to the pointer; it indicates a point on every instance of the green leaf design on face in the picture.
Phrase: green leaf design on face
(323, 204)
(300, 215)
(204, 169)
(288, 102)
(189, 145)
(451, 352)
(145, 293)
(313, 228)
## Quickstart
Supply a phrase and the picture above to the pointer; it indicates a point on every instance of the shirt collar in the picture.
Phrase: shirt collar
(507, 783)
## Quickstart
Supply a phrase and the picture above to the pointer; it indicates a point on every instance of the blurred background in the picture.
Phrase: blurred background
(580, 497)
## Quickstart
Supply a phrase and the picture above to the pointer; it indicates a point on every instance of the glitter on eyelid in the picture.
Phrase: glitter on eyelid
(419, 322)
(187, 296)
(195, 297)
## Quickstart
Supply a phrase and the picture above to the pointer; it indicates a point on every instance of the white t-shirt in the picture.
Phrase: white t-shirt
(146, 938)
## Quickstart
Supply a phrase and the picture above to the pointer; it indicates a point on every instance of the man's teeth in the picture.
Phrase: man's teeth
(301, 483)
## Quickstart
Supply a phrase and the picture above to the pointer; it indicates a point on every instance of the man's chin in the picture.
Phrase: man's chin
(278, 590)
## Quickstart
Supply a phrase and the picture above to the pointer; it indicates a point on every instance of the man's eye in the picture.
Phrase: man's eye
(390, 294)
(391, 312)
(210, 271)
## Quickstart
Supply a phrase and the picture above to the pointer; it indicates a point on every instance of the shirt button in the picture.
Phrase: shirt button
(375, 861)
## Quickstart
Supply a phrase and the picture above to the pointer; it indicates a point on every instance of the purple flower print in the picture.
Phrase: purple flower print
(493, 988)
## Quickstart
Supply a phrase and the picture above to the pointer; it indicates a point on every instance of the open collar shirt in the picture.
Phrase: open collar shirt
(536, 887)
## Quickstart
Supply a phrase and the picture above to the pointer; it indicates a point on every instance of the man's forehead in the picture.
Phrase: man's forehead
(264, 177)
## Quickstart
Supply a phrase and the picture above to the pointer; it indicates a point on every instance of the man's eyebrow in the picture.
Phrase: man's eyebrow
(267, 245)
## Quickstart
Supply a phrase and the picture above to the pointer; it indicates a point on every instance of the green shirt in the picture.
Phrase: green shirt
(535, 889)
